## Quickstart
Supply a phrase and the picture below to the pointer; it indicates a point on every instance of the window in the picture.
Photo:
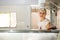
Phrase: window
(8, 19)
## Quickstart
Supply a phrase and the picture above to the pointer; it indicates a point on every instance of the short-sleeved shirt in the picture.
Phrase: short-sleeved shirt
(42, 24)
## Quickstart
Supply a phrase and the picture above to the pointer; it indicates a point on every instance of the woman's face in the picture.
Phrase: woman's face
(42, 13)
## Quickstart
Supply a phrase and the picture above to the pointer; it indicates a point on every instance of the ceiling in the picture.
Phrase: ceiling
(18, 2)
(53, 3)
(3, 2)
(57, 2)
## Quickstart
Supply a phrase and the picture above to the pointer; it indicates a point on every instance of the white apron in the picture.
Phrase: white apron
(42, 24)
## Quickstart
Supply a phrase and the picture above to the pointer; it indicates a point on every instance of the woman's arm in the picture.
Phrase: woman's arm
(48, 26)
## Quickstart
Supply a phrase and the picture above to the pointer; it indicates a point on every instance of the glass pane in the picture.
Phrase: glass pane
(13, 19)
(4, 20)
(38, 15)
(8, 19)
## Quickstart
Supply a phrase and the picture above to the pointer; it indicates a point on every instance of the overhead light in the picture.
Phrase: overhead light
(41, 1)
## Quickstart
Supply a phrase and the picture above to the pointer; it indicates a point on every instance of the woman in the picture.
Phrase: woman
(44, 23)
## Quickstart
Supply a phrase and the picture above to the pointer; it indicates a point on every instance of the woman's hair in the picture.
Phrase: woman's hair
(42, 10)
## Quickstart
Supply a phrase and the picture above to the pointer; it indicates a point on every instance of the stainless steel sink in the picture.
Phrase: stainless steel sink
(26, 35)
